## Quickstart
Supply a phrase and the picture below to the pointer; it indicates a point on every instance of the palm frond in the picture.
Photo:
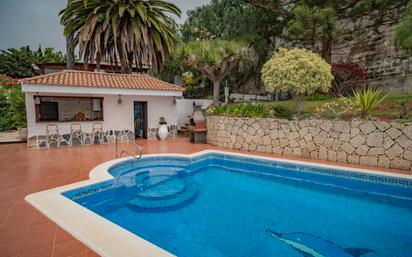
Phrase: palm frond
(136, 32)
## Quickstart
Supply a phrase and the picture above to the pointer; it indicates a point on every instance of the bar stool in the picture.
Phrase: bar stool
(52, 135)
(172, 131)
(88, 138)
(76, 134)
(152, 134)
(97, 133)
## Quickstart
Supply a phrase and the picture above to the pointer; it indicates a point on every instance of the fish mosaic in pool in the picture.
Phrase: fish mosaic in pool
(313, 246)
(223, 205)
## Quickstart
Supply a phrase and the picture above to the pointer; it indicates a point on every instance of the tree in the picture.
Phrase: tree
(298, 71)
(220, 19)
(214, 59)
(312, 25)
(18, 63)
(315, 22)
(131, 31)
(403, 35)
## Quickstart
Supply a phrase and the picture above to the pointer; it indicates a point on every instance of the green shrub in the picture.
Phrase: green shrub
(18, 107)
(317, 97)
(5, 117)
(282, 112)
(12, 105)
(367, 99)
(239, 110)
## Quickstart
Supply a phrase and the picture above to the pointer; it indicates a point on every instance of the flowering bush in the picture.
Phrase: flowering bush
(297, 71)
(8, 83)
(347, 77)
(12, 104)
(337, 108)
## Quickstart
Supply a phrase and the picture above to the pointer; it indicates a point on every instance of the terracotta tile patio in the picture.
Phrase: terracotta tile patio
(26, 232)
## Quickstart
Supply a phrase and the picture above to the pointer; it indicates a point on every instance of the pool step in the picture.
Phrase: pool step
(153, 177)
(163, 192)
(164, 189)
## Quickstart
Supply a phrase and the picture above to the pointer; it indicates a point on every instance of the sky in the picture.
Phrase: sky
(36, 22)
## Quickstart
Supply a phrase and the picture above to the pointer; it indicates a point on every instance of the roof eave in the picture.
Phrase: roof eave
(40, 88)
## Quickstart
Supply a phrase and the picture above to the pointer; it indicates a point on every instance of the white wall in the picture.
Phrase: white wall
(246, 97)
(116, 117)
(185, 108)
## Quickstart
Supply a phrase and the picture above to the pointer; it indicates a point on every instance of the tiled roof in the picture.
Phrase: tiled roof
(74, 78)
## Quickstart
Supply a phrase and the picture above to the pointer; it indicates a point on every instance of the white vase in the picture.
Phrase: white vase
(163, 132)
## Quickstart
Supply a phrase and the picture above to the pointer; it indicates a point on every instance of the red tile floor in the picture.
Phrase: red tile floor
(26, 232)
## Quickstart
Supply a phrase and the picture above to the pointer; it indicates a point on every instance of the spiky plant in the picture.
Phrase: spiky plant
(366, 100)
(214, 59)
(130, 31)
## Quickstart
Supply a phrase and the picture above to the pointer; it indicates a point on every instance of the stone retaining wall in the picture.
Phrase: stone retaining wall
(379, 144)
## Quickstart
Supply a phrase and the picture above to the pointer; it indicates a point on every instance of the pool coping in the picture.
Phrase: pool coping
(107, 238)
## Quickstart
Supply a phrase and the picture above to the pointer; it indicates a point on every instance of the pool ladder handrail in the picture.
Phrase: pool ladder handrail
(137, 157)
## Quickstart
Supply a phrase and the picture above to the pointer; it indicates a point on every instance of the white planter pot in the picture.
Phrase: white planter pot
(163, 132)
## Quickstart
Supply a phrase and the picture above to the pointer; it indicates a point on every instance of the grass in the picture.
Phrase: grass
(387, 110)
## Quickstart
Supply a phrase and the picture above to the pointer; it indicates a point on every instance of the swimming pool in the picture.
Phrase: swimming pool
(216, 204)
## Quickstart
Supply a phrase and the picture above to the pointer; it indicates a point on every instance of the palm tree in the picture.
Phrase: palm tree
(70, 52)
(70, 48)
(130, 31)
(214, 59)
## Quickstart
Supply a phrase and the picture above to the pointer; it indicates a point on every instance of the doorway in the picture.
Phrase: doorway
(140, 119)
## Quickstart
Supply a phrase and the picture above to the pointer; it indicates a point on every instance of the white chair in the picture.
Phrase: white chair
(52, 135)
(97, 132)
(152, 134)
(172, 131)
(76, 134)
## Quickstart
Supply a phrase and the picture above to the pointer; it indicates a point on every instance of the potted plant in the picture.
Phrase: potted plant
(163, 132)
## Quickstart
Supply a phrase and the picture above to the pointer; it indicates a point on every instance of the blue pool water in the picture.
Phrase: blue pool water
(220, 205)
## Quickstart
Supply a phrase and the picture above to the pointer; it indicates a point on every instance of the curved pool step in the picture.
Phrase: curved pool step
(166, 195)
(145, 177)
(155, 168)
(168, 187)
(154, 177)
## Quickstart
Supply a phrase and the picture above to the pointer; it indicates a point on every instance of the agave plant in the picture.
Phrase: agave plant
(130, 31)
(366, 100)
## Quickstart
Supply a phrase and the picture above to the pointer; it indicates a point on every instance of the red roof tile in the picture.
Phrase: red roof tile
(75, 78)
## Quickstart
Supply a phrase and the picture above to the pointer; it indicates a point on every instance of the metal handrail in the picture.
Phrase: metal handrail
(136, 157)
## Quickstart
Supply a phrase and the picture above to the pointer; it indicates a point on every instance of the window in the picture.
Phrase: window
(61, 109)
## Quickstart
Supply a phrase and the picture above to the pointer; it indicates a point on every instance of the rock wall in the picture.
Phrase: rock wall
(387, 66)
(379, 144)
